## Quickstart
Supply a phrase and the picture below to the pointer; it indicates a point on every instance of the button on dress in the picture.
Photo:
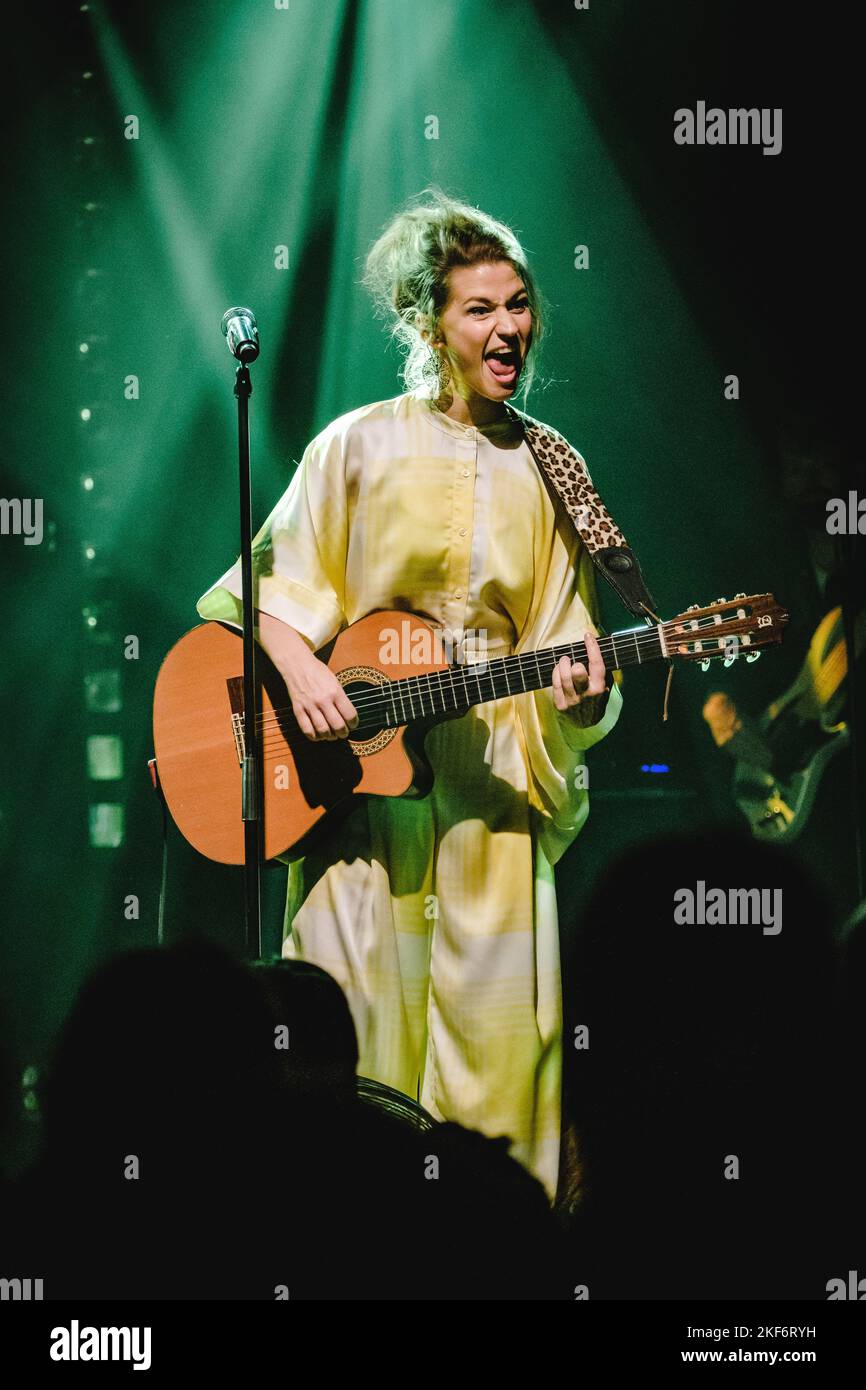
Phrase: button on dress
(438, 917)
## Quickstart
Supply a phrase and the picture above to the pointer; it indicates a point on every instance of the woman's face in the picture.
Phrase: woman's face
(486, 328)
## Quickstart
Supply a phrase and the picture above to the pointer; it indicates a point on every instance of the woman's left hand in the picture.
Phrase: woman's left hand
(579, 692)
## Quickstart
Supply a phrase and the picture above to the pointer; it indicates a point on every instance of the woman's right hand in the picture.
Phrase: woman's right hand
(322, 707)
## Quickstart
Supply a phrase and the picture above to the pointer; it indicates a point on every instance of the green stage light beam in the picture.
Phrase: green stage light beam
(252, 187)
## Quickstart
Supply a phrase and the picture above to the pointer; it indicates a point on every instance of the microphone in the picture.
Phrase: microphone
(241, 334)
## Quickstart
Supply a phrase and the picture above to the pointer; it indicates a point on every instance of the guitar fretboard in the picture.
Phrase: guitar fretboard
(459, 687)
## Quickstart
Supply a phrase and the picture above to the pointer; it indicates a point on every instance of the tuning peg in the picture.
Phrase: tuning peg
(705, 664)
(753, 656)
(692, 606)
(736, 596)
(729, 661)
(720, 600)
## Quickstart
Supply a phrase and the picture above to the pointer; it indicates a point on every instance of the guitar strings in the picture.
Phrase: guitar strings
(443, 682)
(503, 670)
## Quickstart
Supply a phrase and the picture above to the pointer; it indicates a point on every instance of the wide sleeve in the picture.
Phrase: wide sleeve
(299, 555)
(555, 745)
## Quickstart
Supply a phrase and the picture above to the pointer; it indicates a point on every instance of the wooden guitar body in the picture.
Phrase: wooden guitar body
(198, 737)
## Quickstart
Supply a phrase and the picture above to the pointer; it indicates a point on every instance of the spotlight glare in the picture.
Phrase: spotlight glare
(105, 825)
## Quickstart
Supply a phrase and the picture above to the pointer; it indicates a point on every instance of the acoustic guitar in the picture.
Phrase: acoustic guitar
(198, 718)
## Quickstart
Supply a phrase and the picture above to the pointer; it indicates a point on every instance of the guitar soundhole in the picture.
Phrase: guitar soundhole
(371, 728)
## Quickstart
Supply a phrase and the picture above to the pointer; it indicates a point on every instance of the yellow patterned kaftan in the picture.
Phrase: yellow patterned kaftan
(438, 917)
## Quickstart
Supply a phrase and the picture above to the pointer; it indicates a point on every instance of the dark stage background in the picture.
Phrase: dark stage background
(305, 128)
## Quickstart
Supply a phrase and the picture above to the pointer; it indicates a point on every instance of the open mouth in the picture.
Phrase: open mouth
(503, 366)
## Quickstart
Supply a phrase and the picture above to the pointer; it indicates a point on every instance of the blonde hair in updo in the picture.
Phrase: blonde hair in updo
(407, 275)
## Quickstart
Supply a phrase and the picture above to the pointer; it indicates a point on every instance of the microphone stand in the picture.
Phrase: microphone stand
(251, 794)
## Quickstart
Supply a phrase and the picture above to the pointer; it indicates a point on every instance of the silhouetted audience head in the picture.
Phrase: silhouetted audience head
(701, 1052)
(317, 1043)
(158, 1044)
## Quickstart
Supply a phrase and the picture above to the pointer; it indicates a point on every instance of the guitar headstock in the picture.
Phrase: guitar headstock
(727, 628)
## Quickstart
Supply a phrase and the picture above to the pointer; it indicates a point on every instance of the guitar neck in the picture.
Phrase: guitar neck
(459, 687)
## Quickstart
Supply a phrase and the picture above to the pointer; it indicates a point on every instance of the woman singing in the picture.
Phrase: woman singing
(438, 916)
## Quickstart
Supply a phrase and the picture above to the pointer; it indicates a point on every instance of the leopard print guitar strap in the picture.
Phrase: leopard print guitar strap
(569, 477)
